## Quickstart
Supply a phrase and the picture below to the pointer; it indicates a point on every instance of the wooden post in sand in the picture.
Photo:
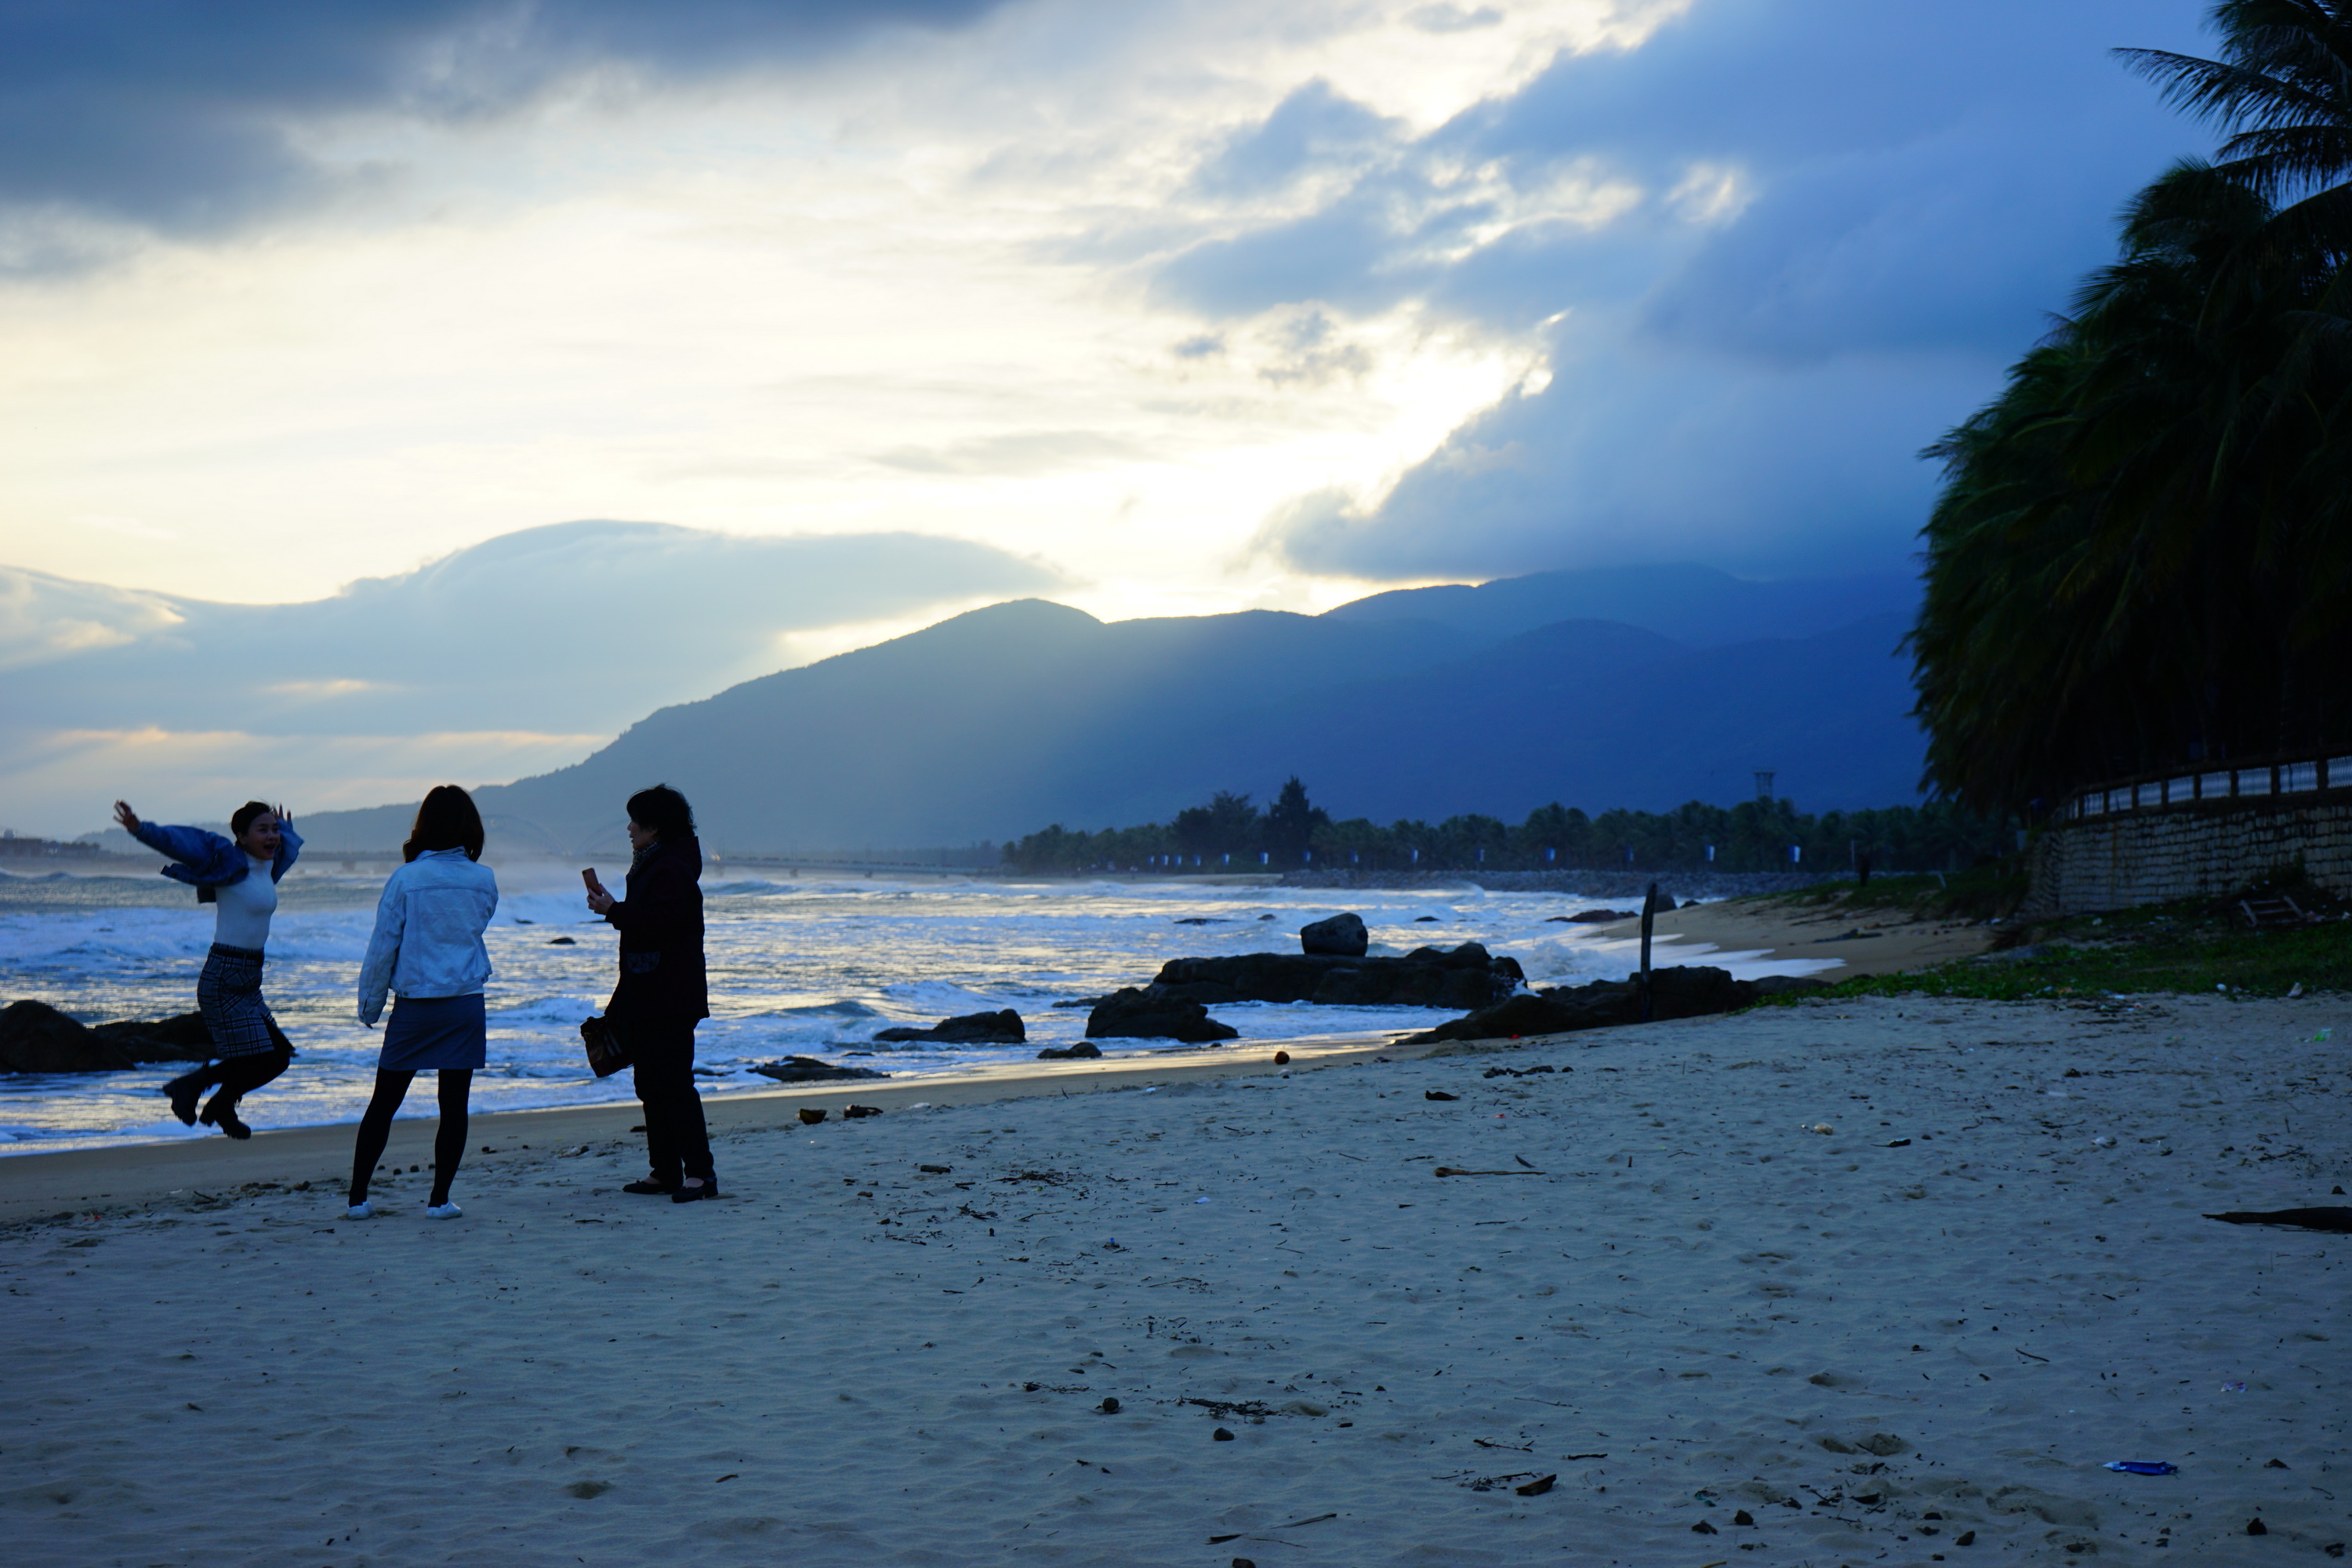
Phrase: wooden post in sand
(1649, 915)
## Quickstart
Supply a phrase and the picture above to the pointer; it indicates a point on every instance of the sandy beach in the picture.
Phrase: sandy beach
(1855, 941)
(1722, 1334)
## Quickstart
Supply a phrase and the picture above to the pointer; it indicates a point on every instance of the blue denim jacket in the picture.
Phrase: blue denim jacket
(206, 860)
(428, 932)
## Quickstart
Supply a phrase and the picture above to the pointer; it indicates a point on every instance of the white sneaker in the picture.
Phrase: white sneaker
(442, 1211)
(358, 1211)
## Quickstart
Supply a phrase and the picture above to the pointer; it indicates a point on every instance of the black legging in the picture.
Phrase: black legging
(678, 1143)
(237, 1076)
(448, 1141)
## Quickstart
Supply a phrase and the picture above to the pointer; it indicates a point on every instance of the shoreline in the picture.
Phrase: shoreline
(63, 1183)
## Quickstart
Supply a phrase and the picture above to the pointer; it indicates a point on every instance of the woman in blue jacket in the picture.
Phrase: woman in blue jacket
(428, 947)
(239, 877)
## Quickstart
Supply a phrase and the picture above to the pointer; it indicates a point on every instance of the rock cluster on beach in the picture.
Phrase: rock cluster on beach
(1003, 1027)
(809, 1069)
(1333, 973)
(36, 1038)
(1685, 991)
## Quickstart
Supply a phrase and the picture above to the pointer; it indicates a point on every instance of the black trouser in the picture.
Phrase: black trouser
(237, 1077)
(448, 1140)
(661, 1056)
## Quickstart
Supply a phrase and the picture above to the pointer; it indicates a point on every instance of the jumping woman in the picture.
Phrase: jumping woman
(428, 947)
(239, 878)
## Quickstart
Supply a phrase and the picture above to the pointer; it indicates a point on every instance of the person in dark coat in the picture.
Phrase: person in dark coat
(663, 993)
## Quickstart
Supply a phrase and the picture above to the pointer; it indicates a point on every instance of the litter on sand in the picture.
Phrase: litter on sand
(2141, 1467)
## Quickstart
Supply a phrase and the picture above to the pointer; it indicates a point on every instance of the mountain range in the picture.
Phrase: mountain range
(1416, 703)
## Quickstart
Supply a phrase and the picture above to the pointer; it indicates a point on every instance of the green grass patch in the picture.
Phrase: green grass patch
(2172, 948)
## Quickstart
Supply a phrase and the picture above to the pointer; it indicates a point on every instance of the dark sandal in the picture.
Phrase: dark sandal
(685, 1194)
(650, 1187)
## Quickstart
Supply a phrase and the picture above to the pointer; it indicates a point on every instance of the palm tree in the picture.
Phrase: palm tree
(2141, 551)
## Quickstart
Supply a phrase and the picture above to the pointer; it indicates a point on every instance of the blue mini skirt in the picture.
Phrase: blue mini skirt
(434, 1033)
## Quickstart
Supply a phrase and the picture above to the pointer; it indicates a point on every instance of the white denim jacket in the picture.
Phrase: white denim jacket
(428, 932)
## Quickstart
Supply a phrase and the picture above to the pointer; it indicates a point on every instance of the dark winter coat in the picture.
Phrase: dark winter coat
(660, 922)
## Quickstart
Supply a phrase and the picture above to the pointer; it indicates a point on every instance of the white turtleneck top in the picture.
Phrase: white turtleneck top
(245, 907)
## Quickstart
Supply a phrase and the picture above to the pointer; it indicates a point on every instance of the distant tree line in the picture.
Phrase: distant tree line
(2142, 556)
(1231, 833)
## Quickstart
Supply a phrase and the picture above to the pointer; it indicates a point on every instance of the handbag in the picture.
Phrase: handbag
(607, 1053)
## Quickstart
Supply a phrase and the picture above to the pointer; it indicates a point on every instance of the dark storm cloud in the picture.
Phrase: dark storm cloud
(179, 114)
(1913, 189)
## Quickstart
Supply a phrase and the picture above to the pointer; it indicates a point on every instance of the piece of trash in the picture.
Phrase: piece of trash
(1898, 1143)
(2103, 1141)
(1200, 1200)
(857, 1110)
(1537, 1486)
(2142, 1467)
(1702, 1528)
(1451, 1171)
(1437, 1094)
(935, 1170)
(2294, 991)
(811, 1116)
(2234, 1388)
(1111, 1244)
(1110, 1406)
(1823, 1128)
(2322, 1037)
(1221, 1435)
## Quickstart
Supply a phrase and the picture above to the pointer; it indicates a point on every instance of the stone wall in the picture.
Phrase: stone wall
(2200, 851)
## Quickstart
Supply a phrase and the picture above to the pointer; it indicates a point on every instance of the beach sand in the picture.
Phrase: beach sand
(1857, 942)
(1699, 1306)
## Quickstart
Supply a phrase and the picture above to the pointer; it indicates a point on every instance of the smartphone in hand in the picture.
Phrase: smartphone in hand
(588, 877)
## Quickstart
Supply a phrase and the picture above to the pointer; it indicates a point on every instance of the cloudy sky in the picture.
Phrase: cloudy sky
(890, 309)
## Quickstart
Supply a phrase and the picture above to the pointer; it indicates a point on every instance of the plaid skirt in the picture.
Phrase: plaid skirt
(228, 993)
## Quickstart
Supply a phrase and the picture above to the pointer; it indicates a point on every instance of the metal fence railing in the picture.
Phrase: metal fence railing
(2325, 772)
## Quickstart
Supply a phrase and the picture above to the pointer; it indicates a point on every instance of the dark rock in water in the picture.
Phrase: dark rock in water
(1593, 917)
(1266, 917)
(1689, 991)
(1089, 1002)
(998, 1028)
(182, 1038)
(808, 1070)
(1425, 920)
(1343, 935)
(36, 1038)
(564, 941)
(1202, 921)
(1069, 1053)
(1463, 977)
(1154, 1014)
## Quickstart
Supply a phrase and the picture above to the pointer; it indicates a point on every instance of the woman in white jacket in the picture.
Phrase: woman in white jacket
(428, 947)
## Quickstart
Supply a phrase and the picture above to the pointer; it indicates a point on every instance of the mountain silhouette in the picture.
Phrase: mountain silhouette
(999, 721)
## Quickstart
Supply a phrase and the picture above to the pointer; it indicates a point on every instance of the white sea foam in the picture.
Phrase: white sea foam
(809, 967)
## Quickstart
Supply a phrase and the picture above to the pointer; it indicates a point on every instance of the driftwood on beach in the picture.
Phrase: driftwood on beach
(1685, 991)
